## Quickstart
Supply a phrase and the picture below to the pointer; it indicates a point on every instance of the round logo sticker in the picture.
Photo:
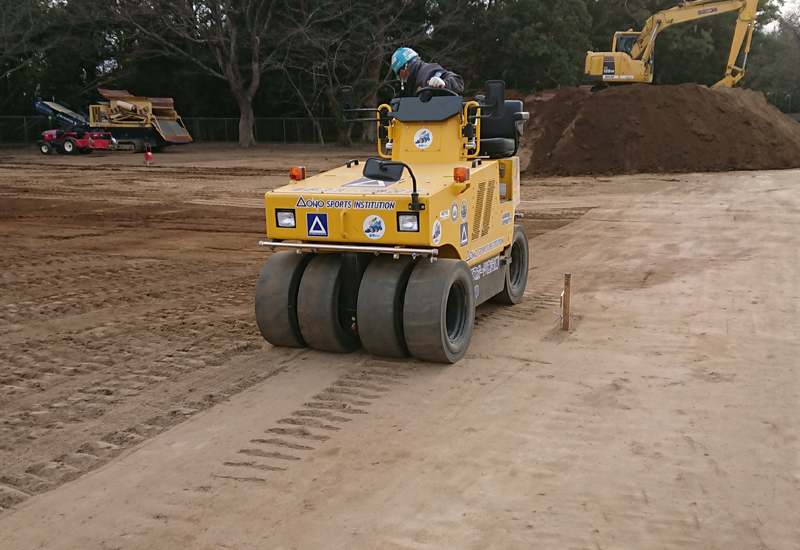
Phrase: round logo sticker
(454, 212)
(423, 138)
(374, 228)
(463, 210)
(437, 232)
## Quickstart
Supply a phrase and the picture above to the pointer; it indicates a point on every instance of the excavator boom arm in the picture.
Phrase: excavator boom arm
(745, 26)
(691, 11)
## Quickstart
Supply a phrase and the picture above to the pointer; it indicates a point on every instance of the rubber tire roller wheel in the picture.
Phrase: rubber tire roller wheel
(318, 306)
(439, 310)
(380, 306)
(517, 270)
(276, 299)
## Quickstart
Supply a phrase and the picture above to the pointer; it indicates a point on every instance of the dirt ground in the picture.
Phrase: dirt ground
(140, 408)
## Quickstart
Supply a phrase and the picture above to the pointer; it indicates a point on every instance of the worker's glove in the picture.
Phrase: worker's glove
(436, 82)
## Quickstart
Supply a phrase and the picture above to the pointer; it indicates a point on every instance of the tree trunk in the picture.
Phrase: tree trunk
(369, 130)
(318, 130)
(344, 134)
(246, 120)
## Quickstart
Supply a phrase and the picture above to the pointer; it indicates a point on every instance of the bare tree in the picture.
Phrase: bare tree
(355, 51)
(236, 41)
(24, 32)
(775, 67)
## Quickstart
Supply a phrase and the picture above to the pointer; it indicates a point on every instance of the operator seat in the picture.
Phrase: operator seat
(500, 136)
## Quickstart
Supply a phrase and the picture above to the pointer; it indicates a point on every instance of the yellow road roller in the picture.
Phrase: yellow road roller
(394, 252)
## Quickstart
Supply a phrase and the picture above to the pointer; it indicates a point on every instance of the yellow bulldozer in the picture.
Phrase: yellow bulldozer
(395, 252)
(631, 58)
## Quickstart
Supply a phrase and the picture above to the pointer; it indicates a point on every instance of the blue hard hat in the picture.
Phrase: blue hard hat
(401, 57)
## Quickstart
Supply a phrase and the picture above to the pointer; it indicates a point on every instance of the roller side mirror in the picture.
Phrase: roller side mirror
(348, 103)
(496, 97)
(381, 170)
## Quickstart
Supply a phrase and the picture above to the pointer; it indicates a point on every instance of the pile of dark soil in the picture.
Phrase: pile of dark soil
(643, 128)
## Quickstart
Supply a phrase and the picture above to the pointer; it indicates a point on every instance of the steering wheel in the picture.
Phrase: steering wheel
(435, 91)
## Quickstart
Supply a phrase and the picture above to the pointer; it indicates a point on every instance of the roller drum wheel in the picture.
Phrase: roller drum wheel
(439, 310)
(276, 299)
(517, 270)
(318, 306)
(380, 306)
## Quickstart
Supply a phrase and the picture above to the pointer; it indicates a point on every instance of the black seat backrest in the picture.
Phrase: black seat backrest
(505, 126)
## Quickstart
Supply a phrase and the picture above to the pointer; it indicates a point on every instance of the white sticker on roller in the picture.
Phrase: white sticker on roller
(374, 227)
(436, 234)
(423, 138)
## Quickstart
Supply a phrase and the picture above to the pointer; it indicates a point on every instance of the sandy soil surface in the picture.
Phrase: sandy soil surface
(129, 358)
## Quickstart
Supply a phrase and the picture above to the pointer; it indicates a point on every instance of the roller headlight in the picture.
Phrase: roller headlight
(285, 218)
(408, 222)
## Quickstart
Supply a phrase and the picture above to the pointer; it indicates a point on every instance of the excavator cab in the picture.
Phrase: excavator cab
(624, 41)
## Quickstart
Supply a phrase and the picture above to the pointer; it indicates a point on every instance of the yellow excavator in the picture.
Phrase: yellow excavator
(631, 58)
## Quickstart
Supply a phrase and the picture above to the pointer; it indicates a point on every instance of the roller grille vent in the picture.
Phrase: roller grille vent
(476, 219)
(487, 209)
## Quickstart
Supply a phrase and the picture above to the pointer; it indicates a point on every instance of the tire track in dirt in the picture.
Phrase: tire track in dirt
(543, 294)
(349, 397)
(100, 352)
(316, 421)
(44, 476)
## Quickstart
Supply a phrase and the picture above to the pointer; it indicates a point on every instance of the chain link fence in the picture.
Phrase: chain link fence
(28, 129)
(266, 130)
(22, 129)
(784, 102)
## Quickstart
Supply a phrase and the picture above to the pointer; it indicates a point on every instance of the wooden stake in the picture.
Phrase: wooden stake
(565, 310)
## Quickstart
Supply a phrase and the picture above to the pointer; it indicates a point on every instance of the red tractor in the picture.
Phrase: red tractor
(69, 143)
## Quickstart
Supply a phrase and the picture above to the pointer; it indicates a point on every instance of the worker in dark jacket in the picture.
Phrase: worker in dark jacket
(414, 73)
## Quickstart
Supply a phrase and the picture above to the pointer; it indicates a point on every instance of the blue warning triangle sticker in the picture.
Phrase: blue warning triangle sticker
(464, 233)
(317, 225)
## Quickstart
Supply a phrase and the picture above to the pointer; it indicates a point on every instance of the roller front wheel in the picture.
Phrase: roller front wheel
(276, 299)
(318, 306)
(439, 310)
(380, 306)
